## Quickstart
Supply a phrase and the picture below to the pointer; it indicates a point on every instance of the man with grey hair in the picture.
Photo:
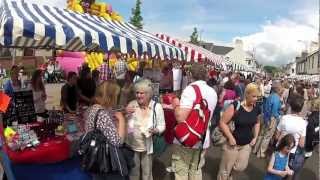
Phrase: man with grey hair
(191, 160)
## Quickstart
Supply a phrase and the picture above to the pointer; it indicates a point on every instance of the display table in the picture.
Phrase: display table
(53, 150)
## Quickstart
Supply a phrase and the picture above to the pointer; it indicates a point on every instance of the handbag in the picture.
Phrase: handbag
(159, 143)
(217, 136)
(98, 156)
(93, 151)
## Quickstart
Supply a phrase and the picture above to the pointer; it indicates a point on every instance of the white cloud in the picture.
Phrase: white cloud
(279, 42)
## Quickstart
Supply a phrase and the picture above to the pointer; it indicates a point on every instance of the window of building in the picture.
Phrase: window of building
(28, 52)
(312, 62)
(5, 52)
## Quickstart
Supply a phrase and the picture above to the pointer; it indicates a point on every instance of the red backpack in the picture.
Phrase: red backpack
(192, 131)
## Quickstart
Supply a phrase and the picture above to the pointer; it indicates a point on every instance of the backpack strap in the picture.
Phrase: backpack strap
(198, 94)
(237, 107)
(96, 118)
(154, 115)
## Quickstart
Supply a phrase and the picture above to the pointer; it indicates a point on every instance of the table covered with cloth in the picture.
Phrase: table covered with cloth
(51, 149)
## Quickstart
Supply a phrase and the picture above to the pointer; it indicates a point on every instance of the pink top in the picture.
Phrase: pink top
(229, 95)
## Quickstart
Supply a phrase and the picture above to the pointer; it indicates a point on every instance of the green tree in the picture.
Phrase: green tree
(136, 18)
(271, 69)
(194, 36)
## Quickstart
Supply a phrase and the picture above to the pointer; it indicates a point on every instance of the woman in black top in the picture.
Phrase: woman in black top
(237, 150)
(69, 94)
(86, 85)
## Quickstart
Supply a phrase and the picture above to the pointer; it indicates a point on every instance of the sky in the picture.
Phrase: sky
(277, 30)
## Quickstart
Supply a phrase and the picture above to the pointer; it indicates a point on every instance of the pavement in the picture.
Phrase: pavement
(255, 170)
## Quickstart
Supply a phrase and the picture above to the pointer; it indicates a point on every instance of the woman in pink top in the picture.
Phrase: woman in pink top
(228, 94)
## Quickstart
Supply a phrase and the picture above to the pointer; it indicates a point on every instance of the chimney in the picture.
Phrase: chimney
(313, 46)
(239, 44)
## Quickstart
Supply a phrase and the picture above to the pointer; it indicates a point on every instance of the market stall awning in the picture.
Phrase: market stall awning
(194, 53)
(37, 26)
(305, 77)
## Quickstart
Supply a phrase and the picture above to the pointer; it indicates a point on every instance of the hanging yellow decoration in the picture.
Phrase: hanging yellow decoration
(94, 60)
(133, 64)
(74, 5)
(98, 9)
(112, 62)
(148, 64)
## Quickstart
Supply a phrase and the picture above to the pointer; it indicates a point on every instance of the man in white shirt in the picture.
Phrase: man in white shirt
(267, 88)
(50, 71)
(294, 124)
(188, 158)
(3, 72)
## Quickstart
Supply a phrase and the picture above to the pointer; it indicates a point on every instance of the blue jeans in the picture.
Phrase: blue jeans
(6, 163)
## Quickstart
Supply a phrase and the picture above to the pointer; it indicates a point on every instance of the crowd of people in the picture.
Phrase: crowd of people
(271, 118)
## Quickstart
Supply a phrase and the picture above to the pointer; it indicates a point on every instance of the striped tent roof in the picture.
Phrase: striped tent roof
(305, 77)
(37, 26)
(194, 53)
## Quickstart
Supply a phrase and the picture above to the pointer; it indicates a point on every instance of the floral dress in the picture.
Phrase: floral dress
(105, 123)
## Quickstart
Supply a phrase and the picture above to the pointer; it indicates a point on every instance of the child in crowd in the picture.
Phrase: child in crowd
(278, 166)
(294, 124)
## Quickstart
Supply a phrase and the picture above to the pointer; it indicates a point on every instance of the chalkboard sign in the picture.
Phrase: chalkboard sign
(24, 106)
(21, 108)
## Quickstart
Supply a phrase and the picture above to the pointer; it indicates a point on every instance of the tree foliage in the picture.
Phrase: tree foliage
(194, 36)
(271, 69)
(136, 18)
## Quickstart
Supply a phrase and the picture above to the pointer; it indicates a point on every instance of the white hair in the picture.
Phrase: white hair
(144, 85)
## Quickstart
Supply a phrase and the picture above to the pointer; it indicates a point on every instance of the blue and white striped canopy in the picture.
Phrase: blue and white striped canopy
(30, 25)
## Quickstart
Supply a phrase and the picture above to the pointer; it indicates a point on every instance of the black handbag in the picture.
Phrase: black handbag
(94, 151)
(98, 156)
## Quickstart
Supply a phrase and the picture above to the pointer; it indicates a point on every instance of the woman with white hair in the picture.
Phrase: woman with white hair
(145, 118)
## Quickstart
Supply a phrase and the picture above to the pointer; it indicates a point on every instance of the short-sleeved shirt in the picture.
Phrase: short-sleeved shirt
(295, 125)
(120, 69)
(188, 97)
(244, 122)
(105, 122)
(87, 87)
(70, 93)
